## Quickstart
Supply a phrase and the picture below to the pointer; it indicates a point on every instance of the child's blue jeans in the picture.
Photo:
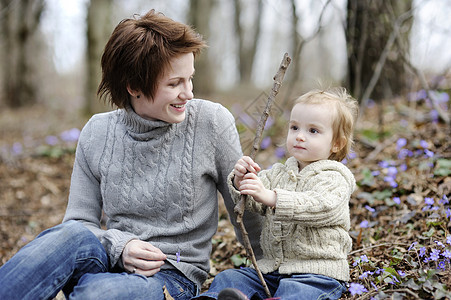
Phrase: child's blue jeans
(286, 287)
(69, 257)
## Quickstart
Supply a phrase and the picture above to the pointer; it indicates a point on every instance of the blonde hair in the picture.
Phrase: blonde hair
(346, 111)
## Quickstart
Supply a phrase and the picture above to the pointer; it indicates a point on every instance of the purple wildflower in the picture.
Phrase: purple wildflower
(17, 148)
(374, 286)
(422, 251)
(70, 135)
(448, 239)
(442, 265)
(269, 123)
(280, 152)
(365, 274)
(364, 258)
(428, 153)
(403, 167)
(379, 271)
(401, 273)
(421, 94)
(51, 140)
(424, 144)
(357, 289)
(435, 255)
(412, 246)
(369, 208)
(370, 103)
(375, 173)
(444, 200)
(391, 181)
(364, 224)
(392, 171)
(178, 256)
(400, 143)
(397, 200)
(266, 142)
(403, 153)
(352, 155)
(439, 244)
(446, 254)
(434, 115)
(429, 201)
(383, 164)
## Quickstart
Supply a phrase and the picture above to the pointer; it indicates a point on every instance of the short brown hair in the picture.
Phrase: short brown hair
(138, 53)
(346, 112)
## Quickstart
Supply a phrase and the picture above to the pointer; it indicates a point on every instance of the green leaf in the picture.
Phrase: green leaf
(238, 260)
(443, 167)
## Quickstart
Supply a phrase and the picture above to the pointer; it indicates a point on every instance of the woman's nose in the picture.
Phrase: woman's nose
(187, 92)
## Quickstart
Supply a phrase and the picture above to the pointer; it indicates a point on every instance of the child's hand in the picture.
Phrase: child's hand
(253, 186)
(243, 166)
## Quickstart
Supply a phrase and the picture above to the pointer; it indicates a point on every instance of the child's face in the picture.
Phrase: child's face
(310, 132)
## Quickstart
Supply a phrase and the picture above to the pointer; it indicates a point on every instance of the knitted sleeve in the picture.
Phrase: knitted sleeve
(228, 152)
(323, 201)
(85, 200)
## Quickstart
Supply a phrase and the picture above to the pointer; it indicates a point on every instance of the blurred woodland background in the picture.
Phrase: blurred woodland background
(392, 55)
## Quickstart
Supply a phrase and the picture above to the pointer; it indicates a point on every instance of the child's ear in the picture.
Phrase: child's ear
(339, 144)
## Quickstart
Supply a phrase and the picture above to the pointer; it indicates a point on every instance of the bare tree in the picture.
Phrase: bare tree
(19, 25)
(199, 17)
(369, 29)
(247, 41)
(98, 30)
(299, 41)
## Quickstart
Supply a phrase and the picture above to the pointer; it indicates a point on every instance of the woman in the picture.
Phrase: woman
(153, 166)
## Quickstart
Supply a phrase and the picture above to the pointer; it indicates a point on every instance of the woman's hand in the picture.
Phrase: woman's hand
(142, 258)
(253, 186)
(243, 166)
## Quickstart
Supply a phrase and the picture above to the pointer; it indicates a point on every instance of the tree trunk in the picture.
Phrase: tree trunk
(247, 47)
(98, 31)
(18, 28)
(199, 18)
(369, 25)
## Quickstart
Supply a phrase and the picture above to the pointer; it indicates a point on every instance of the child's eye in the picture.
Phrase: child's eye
(313, 130)
(293, 127)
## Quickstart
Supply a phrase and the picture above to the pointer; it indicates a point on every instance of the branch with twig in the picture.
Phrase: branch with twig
(241, 205)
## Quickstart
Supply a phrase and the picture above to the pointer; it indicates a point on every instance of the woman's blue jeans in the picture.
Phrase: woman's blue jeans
(285, 287)
(69, 257)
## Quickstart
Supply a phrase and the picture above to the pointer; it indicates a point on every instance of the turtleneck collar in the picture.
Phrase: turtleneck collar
(142, 129)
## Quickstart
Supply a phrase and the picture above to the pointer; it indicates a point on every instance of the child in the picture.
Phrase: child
(305, 202)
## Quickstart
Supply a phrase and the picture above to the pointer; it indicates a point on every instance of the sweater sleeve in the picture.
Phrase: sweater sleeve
(228, 152)
(85, 199)
(324, 201)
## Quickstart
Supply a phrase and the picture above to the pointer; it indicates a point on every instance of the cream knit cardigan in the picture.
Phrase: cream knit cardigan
(307, 232)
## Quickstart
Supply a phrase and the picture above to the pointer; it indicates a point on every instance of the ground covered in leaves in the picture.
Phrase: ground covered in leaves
(400, 212)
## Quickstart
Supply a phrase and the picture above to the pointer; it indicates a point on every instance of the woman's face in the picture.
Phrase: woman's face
(174, 90)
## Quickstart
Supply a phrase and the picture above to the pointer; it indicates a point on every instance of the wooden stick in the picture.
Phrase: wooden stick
(241, 205)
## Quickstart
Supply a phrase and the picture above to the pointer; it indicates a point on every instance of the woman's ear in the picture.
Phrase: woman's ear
(133, 93)
(339, 144)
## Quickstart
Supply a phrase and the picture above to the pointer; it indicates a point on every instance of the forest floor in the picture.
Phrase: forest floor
(400, 212)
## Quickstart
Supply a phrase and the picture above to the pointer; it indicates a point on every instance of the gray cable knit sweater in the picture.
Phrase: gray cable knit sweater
(158, 182)
(307, 232)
